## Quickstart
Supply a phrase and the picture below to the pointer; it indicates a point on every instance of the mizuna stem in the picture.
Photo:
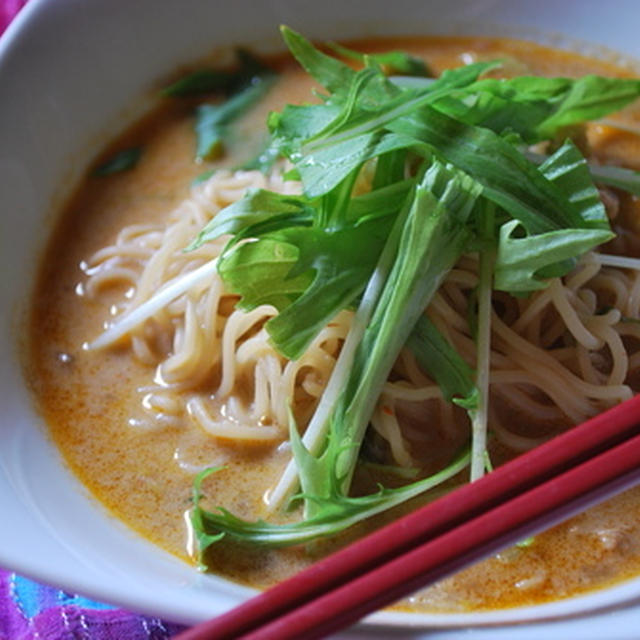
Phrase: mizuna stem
(128, 322)
(481, 414)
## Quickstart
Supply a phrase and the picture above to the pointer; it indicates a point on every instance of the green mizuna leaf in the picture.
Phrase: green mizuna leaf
(520, 261)
(524, 263)
(203, 177)
(589, 98)
(212, 120)
(257, 207)
(198, 82)
(242, 86)
(333, 75)
(538, 108)
(306, 272)
(374, 101)
(371, 98)
(395, 62)
(441, 361)
(297, 123)
(324, 170)
(204, 539)
(440, 206)
(508, 178)
(333, 514)
(618, 177)
(119, 162)
(430, 237)
(204, 81)
(568, 169)
(448, 174)
(260, 273)
(517, 104)
(360, 102)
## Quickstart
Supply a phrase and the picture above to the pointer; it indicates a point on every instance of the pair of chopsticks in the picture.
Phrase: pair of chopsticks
(585, 465)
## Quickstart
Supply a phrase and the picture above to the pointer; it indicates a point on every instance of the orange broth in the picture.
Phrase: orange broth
(88, 398)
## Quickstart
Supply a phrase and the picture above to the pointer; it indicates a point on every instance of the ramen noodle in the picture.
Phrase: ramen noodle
(199, 384)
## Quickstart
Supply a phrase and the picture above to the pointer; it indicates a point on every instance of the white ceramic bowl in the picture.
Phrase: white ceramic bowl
(74, 72)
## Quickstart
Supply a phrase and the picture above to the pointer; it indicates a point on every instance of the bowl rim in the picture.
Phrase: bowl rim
(625, 592)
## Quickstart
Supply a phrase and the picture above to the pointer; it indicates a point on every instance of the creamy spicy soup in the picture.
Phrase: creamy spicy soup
(136, 434)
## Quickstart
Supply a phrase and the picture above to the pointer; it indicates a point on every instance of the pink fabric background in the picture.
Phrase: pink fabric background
(8, 9)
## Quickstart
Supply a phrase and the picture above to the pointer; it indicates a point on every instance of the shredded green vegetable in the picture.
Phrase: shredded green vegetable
(451, 175)
(119, 162)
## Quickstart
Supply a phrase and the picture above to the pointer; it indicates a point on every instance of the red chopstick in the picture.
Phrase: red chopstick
(581, 467)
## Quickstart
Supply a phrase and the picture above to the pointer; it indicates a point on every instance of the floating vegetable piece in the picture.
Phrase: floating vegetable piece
(121, 161)
(204, 81)
(212, 120)
(199, 82)
(449, 175)
(395, 62)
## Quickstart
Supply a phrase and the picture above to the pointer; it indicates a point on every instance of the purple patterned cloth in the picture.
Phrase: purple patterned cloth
(33, 611)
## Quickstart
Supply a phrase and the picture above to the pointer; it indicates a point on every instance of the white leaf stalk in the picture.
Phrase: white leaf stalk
(129, 321)
(620, 262)
(315, 435)
(480, 414)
